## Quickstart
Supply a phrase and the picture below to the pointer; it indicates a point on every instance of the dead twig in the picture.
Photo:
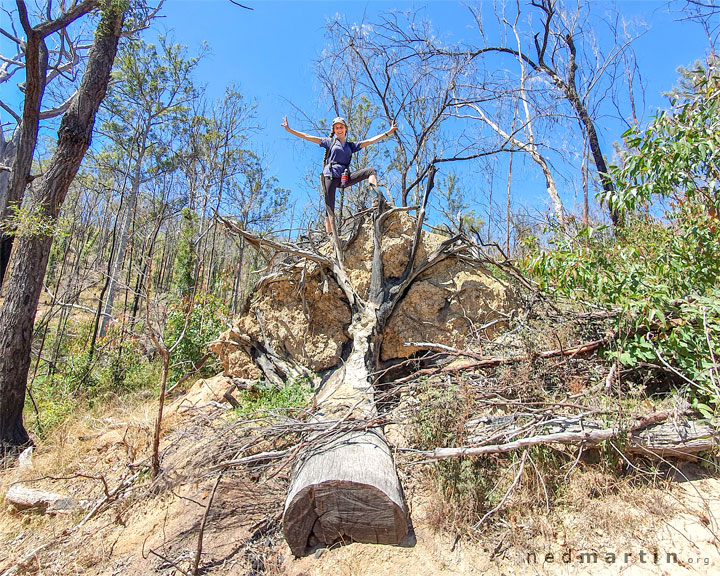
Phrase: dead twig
(124, 483)
(25, 561)
(203, 523)
(194, 370)
(169, 562)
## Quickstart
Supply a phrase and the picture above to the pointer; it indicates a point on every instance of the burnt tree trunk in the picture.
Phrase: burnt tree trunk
(19, 151)
(115, 266)
(31, 251)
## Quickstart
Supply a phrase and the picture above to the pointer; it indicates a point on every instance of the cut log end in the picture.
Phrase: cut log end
(338, 511)
(345, 491)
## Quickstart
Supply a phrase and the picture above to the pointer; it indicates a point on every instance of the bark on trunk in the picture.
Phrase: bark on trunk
(8, 151)
(346, 489)
(27, 270)
(119, 256)
(25, 136)
(36, 55)
(345, 486)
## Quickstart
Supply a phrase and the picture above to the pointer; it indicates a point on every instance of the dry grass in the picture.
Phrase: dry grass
(162, 516)
(597, 505)
(544, 498)
(591, 505)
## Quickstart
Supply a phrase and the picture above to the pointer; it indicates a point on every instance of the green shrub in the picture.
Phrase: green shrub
(661, 268)
(77, 382)
(206, 320)
(50, 402)
(126, 370)
(266, 397)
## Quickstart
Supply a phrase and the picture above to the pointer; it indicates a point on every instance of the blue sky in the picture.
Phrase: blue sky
(269, 53)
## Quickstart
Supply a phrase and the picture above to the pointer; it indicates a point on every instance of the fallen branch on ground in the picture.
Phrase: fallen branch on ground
(653, 434)
(492, 361)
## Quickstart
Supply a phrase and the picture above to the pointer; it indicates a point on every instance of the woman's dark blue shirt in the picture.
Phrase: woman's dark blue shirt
(339, 156)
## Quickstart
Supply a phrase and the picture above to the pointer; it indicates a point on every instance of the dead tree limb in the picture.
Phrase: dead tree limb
(654, 434)
(260, 242)
(492, 361)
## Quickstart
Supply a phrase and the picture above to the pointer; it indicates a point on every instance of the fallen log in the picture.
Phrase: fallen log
(683, 439)
(24, 498)
(653, 435)
(345, 486)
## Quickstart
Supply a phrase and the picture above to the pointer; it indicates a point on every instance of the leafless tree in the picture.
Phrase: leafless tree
(704, 12)
(555, 46)
(514, 134)
(383, 63)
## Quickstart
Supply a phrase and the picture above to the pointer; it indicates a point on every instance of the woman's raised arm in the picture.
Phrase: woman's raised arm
(315, 139)
(377, 138)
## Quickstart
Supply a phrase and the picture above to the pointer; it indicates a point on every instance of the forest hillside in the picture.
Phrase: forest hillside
(200, 374)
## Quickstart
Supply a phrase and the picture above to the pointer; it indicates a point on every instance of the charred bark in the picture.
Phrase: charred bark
(31, 252)
(36, 54)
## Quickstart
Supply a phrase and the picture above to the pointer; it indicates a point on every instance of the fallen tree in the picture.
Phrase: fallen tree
(657, 434)
(351, 306)
(377, 303)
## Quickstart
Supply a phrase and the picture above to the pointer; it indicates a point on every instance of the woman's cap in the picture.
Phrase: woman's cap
(339, 120)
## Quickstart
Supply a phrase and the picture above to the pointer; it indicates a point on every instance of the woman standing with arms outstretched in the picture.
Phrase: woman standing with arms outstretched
(339, 151)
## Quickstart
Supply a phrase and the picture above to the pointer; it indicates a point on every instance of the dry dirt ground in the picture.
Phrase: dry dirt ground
(125, 523)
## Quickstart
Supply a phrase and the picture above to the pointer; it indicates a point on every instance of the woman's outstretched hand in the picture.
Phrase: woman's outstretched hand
(285, 123)
(393, 128)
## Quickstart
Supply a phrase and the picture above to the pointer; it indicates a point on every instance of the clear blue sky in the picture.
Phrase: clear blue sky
(269, 54)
